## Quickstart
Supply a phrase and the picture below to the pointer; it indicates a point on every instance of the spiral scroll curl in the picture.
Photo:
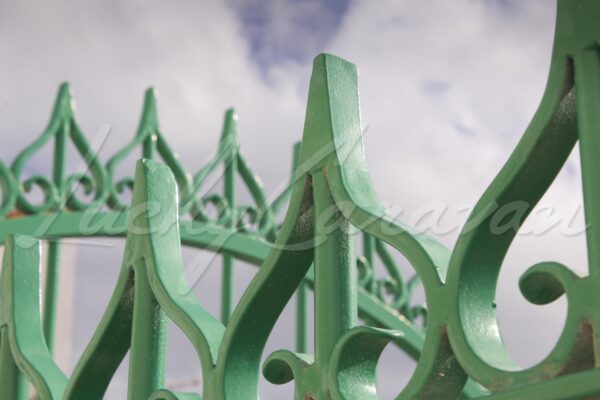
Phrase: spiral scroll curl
(60, 191)
(9, 190)
(391, 289)
(567, 114)
(462, 337)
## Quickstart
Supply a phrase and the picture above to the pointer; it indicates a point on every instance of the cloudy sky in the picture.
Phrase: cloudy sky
(447, 89)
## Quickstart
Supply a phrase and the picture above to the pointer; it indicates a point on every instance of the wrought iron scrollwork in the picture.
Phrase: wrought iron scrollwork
(9, 190)
(150, 141)
(152, 286)
(392, 289)
(59, 191)
(568, 113)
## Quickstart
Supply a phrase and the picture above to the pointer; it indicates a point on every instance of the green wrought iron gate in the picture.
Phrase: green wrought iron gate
(458, 347)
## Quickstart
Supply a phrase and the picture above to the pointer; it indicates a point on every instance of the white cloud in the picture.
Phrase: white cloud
(487, 71)
(193, 54)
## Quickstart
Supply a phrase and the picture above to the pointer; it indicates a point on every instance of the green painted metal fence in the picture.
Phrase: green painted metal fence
(457, 344)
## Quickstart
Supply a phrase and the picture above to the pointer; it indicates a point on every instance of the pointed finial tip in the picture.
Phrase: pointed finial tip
(65, 85)
(150, 101)
(151, 91)
(65, 90)
(65, 105)
(231, 113)
(150, 95)
(332, 60)
(149, 118)
(326, 56)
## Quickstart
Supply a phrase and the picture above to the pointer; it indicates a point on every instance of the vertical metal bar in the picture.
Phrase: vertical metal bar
(302, 291)
(147, 354)
(587, 83)
(301, 319)
(149, 147)
(149, 125)
(368, 247)
(587, 79)
(51, 293)
(63, 329)
(227, 276)
(13, 384)
(229, 145)
(335, 273)
(368, 251)
(227, 289)
(51, 288)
